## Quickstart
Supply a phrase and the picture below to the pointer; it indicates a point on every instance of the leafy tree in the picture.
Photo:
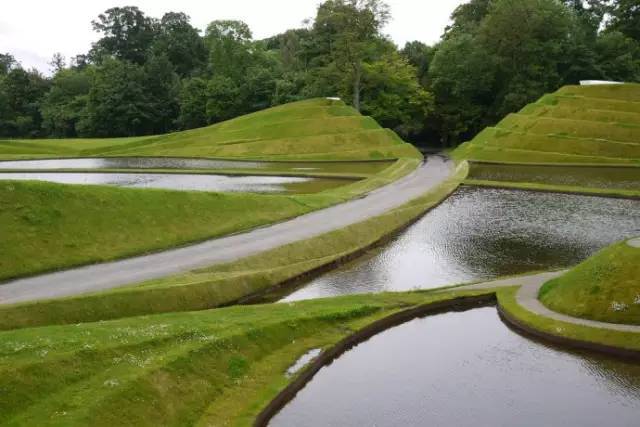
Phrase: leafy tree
(127, 34)
(181, 43)
(193, 103)
(229, 44)
(467, 17)
(618, 57)
(161, 86)
(625, 18)
(224, 99)
(22, 92)
(351, 29)
(117, 104)
(463, 80)
(57, 63)
(528, 40)
(7, 63)
(64, 105)
(420, 56)
(393, 95)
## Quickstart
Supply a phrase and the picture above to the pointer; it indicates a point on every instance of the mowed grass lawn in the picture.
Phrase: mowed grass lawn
(217, 367)
(606, 287)
(49, 226)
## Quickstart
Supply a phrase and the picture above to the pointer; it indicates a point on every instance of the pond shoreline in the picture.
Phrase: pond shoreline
(462, 303)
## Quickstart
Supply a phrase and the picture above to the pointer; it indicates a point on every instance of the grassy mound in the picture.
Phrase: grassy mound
(605, 287)
(217, 367)
(317, 129)
(577, 124)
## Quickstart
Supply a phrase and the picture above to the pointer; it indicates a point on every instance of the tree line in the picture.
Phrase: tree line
(146, 75)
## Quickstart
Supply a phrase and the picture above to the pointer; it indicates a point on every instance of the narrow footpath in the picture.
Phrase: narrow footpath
(110, 275)
(527, 297)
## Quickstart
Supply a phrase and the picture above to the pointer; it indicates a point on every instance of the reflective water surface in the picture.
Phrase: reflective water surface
(253, 184)
(466, 369)
(177, 163)
(598, 177)
(480, 234)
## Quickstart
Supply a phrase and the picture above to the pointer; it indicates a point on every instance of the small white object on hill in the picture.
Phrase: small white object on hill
(598, 82)
(634, 243)
(333, 98)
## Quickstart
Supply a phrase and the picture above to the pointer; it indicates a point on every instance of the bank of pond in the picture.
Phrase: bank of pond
(481, 234)
(465, 369)
(248, 176)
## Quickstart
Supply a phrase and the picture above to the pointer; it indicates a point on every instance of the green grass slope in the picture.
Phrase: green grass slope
(49, 226)
(606, 287)
(316, 129)
(577, 124)
(217, 367)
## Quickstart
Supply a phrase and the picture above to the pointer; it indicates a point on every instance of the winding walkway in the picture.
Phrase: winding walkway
(110, 275)
(527, 297)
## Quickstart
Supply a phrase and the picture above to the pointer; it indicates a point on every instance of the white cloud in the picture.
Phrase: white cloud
(33, 30)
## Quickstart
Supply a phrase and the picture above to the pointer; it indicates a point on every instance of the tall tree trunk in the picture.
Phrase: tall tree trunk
(357, 78)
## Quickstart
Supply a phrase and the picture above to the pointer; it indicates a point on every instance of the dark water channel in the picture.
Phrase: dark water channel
(480, 234)
(185, 182)
(177, 163)
(466, 369)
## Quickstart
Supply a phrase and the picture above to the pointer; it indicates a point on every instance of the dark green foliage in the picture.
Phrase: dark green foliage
(148, 75)
(21, 93)
(126, 34)
(63, 106)
(181, 43)
(117, 102)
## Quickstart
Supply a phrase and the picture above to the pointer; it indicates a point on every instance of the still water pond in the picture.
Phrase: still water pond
(176, 163)
(466, 369)
(480, 234)
(626, 178)
(252, 184)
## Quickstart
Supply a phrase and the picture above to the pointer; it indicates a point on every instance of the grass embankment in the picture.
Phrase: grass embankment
(52, 226)
(574, 125)
(597, 180)
(48, 226)
(567, 332)
(225, 284)
(317, 129)
(216, 367)
(606, 287)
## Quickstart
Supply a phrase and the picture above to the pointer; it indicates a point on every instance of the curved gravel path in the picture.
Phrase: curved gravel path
(527, 297)
(110, 275)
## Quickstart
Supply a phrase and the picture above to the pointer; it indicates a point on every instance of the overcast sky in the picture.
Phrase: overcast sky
(33, 30)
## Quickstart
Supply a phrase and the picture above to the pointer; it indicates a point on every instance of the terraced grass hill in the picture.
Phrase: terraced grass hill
(576, 124)
(316, 129)
(605, 287)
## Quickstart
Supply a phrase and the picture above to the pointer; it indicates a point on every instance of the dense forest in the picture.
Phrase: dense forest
(146, 75)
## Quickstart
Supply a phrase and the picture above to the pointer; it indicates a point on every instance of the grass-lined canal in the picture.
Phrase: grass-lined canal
(179, 163)
(480, 234)
(625, 178)
(186, 182)
(466, 369)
